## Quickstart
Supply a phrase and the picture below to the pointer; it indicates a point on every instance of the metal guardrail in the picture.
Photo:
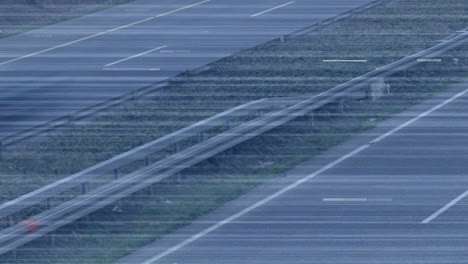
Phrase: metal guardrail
(344, 15)
(148, 91)
(139, 153)
(67, 212)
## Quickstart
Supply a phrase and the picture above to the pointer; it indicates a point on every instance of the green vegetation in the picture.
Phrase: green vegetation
(292, 68)
(17, 16)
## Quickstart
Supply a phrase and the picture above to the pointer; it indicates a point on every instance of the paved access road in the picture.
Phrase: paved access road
(59, 69)
(397, 194)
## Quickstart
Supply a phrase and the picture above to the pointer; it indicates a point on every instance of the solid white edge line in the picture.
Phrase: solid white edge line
(135, 56)
(104, 32)
(252, 207)
(297, 183)
(445, 208)
(411, 121)
(271, 9)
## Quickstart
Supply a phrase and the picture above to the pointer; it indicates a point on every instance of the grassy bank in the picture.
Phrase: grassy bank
(295, 67)
(17, 16)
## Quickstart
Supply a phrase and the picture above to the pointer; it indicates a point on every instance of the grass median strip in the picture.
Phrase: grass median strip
(292, 68)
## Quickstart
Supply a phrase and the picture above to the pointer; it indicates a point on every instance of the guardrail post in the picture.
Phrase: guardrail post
(202, 136)
(179, 178)
(48, 204)
(51, 235)
(84, 187)
(52, 239)
(176, 147)
(341, 105)
(312, 119)
(116, 174)
(233, 150)
(319, 26)
(71, 119)
(10, 221)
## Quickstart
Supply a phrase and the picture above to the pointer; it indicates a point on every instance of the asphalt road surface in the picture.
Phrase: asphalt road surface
(397, 194)
(59, 69)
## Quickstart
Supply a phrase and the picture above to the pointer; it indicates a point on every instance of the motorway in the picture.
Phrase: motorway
(59, 69)
(396, 194)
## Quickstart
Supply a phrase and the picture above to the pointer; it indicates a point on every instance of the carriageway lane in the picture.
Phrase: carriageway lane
(367, 208)
(72, 73)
